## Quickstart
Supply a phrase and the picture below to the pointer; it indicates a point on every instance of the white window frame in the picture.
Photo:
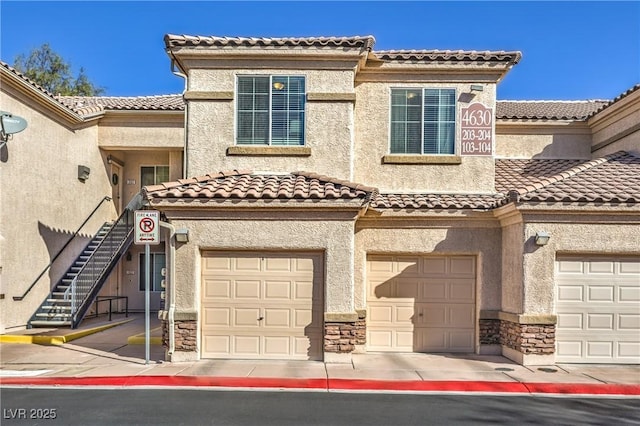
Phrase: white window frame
(270, 125)
(422, 120)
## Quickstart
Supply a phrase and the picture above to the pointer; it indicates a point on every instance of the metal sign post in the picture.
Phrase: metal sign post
(147, 232)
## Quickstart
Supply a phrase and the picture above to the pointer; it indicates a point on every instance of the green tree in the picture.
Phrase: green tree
(48, 69)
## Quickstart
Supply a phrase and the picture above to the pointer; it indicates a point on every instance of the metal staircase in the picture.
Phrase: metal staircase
(71, 297)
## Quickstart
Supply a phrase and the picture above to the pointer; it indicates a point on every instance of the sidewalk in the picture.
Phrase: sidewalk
(104, 353)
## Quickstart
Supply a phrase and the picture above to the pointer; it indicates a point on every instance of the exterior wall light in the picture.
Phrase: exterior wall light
(477, 88)
(542, 238)
(182, 235)
(83, 173)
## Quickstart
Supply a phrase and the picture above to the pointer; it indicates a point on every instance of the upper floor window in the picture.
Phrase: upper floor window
(154, 175)
(423, 121)
(270, 110)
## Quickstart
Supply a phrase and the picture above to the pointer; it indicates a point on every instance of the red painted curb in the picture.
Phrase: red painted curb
(419, 385)
(330, 384)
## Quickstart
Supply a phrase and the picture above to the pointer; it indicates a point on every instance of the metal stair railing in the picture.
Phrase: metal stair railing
(75, 234)
(89, 279)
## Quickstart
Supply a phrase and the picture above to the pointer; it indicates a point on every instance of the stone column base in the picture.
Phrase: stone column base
(525, 339)
(344, 332)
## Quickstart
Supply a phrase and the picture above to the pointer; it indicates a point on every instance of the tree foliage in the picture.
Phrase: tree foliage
(48, 69)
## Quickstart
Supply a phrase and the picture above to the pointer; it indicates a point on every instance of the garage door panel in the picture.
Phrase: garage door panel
(246, 317)
(463, 266)
(434, 266)
(629, 322)
(215, 344)
(598, 309)
(461, 291)
(434, 290)
(247, 289)
(599, 322)
(629, 267)
(629, 350)
(247, 345)
(277, 290)
(277, 346)
(404, 315)
(216, 317)
(629, 294)
(600, 294)
(303, 290)
(570, 321)
(274, 318)
(567, 293)
(460, 340)
(461, 316)
(216, 289)
(419, 312)
(405, 289)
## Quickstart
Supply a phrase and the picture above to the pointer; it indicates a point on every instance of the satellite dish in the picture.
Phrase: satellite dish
(10, 124)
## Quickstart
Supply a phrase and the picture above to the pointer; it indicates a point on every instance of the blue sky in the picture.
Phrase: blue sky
(571, 50)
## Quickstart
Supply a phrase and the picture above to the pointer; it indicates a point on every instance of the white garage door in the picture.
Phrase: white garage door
(598, 308)
(421, 304)
(262, 305)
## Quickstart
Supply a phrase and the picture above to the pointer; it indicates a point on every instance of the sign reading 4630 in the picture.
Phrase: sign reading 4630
(477, 130)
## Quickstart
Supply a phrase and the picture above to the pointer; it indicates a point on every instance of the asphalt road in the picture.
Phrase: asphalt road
(127, 406)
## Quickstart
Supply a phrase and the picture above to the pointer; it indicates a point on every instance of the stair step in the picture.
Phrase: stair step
(57, 308)
(58, 301)
(49, 323)
(53, 317)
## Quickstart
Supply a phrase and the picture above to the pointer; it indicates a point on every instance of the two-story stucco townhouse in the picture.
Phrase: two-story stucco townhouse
(320, 198)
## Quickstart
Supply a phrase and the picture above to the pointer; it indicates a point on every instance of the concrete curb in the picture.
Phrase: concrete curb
(139, 339)
(330, 384)
(43, 339)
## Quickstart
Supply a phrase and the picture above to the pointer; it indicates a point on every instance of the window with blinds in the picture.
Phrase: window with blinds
(270, 110)
(423, 121)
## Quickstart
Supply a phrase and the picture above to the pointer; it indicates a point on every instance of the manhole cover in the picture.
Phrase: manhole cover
(503, 369)
(547, 370)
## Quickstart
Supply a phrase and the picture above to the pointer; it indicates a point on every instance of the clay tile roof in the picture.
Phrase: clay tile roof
(35, 85)
(437, 201)
(85, 104)
(618, 98)
(614, 178)
(550, 110)
(243, 185)
(358, 42)
(449, 55)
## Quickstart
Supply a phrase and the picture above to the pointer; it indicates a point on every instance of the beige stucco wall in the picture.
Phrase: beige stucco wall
(512, 272)
(617, 127)
(328, 124)
(404, 235)
(43, 202)
(141, 129)
(332, 234)
(372, 116)
(543, 140)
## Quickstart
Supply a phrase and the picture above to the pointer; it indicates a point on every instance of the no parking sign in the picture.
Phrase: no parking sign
(147, 229)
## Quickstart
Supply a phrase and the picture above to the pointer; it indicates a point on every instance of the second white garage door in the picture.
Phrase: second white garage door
(421, 303)
(598, 307)
(262, 305)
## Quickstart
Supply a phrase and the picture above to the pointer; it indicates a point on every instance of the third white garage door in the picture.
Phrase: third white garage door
(598, 307)
(421, 303)
(262, 305)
